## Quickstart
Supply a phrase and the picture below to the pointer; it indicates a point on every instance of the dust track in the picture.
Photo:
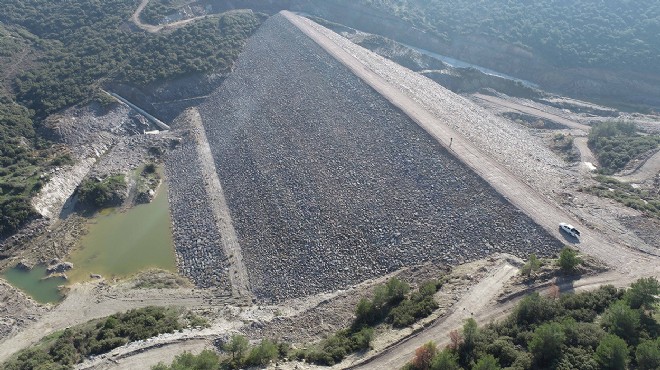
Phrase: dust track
(91, 301)
(476, 300)
(135, 18)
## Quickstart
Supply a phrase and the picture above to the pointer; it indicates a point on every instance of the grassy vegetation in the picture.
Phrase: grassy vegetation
(102, 193)
(603, 329)
(64, 349)
(644, 200)
(617, 143)
(392, 303)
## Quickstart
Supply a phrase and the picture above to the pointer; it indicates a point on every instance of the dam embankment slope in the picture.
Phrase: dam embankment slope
(328, 184)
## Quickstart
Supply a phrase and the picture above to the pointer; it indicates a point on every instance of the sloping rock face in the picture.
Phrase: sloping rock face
(328, 184)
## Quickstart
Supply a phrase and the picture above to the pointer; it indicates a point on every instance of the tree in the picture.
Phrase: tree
(532, 265)
(547, 342)
(237, 346)
(643, 293)
(445, 360)
(568, 259)
(455, 339)
(365, 313)
(622, 321)
(396, 290)
(487, 362)
(424, 355)
(262, 353)
(648, 355)
(612, 353)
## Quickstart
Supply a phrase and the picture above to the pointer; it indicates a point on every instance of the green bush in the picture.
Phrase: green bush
(648, 355)
(488, 362)
(104, 193)
(547, 342)
(206, 360)
(622, 321)
(643, 293)
(568, 260)
(612, 353)
(262, 354)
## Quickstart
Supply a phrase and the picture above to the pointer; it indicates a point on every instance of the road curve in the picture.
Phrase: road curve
(648, 170)
(476, 300)
(135, 18)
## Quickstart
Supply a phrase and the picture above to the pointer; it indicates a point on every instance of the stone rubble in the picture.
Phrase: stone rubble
(328, 184)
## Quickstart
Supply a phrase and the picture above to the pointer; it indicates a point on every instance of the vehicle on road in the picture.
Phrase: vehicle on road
(569, 229)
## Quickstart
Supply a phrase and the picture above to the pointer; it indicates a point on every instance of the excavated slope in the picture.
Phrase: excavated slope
(328, 184)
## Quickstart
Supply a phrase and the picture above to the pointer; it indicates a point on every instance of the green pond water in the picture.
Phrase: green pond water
(120, 244)
(33, 283)
(117, 245)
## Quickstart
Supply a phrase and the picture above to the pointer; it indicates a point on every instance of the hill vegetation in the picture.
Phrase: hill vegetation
(64, 349)
(79, 45)
(603, 329)
(617, 143)
(616, 35)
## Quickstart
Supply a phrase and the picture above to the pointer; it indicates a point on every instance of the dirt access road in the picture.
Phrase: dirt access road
(649, 169)
(479, 297)
(135, 18)
(612, 251)
(532, 111)
(91, 301)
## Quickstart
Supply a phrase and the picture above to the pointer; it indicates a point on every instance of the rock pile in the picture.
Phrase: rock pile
(329, 185)
(199, 254)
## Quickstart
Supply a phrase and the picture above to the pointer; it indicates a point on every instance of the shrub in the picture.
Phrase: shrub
(424, 356)
(535, 309)
(262, 354)
(532, 265)
(612, 353)
(622, 321)
(568, 260)
(547, 342)
(487, 362)
(102, 193)
(643, 293)
(445, 360)
(206, 360)
(648, 355)
(237, 346)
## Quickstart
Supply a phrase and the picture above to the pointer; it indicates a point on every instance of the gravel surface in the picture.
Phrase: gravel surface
(515, 148)
(196, 237)
(329, 185)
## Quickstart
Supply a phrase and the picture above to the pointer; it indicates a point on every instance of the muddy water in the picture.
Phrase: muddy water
(33, 283)
(120, 244)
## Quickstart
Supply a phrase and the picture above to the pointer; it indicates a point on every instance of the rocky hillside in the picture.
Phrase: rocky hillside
(329, 185)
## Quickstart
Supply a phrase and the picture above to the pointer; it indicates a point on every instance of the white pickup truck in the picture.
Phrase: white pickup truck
(568, 228)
